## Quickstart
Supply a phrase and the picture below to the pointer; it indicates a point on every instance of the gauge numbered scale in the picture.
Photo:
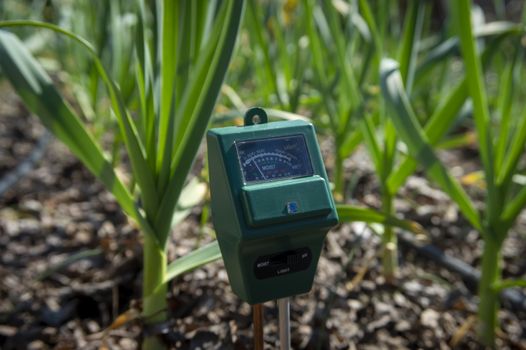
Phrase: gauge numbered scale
(271, 206)
(274, 158)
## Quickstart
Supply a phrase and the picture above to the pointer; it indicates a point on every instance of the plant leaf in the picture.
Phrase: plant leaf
(410, 39)
(316, 49)
(275, 113)
(443, 118)
(348, 213)
(83, 254)
(367, 130)
(197, 109)
(437, 126)
(193, 193)
(513, 208)
(126, 124)
(256, 25)
(39, 94)
(367, 15)
(350, 142)
(461, 11)
(504, 103)
(193, 260)
(514, 153)
(447, 48)
(509, 283)
(411, 133)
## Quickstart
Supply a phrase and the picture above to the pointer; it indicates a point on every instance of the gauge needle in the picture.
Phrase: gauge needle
(256, 164)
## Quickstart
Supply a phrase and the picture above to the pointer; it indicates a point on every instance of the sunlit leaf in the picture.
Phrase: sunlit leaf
(193, 260)
(509, 283)
(37, 91)
(411, 133)
(348, 213)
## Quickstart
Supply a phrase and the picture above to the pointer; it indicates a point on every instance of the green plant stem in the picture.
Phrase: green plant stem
(338, 177)
(489, 297)
(154, 288)
(389, 241)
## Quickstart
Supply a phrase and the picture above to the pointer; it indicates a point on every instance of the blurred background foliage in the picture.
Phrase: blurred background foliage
(278, 64)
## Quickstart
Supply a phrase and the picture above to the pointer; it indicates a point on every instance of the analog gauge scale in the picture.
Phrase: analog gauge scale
(274, 159)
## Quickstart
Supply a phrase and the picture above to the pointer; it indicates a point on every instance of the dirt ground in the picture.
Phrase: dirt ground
(58, 209)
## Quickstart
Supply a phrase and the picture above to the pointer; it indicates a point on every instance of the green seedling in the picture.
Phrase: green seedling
(499, 157)
(335, 80)
(383, 150)
(279, 55)
(182, 53)
(391, 164)
(110, 27)
(345, 45)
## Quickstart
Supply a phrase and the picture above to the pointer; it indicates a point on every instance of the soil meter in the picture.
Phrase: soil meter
(271, 205)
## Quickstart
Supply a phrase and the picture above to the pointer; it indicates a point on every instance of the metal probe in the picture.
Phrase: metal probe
(257, 317)
(284, 323)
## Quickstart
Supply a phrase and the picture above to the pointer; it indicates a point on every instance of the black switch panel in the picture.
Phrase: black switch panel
(282, 263)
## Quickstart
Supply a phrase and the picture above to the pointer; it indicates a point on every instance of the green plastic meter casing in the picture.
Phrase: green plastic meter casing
(270, 230)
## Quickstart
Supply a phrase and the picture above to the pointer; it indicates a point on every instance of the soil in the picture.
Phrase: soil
(58, 210)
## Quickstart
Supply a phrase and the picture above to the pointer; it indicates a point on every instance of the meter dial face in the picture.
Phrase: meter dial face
(274, 158)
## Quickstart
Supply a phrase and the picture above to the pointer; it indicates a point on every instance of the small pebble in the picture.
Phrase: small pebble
(429, 318)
